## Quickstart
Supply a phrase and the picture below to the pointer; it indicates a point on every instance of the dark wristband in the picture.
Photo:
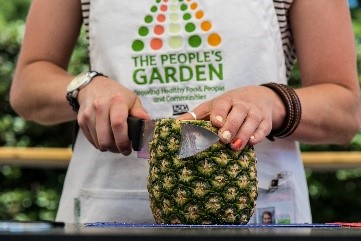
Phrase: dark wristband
(293, 110)
(73, 102)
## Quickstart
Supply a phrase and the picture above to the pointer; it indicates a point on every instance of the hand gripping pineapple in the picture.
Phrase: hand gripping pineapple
(216, 186)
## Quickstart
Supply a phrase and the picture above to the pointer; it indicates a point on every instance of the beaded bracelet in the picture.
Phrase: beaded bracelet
(293, 110)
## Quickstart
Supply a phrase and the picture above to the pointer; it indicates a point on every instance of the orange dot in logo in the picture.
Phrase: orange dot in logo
(199, 14)
(214, 39)
(156, 44)
(163, 8)
(158, 29)
(165, 1)
(206, 26)
(161, 18)
(194, 6)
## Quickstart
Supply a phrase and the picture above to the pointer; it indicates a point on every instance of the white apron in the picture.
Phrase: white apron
(175, 55)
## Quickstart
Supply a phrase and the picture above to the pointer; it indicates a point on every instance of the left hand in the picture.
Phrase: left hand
(244, 115)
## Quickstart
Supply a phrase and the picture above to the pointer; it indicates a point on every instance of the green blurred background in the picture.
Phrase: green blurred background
(33, 193)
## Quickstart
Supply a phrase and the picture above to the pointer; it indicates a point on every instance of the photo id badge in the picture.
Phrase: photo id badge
(276, 205)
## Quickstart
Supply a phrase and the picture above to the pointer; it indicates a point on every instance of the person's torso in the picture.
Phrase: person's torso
(175, 55)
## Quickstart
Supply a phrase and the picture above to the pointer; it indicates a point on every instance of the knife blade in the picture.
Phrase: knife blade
(194, 139)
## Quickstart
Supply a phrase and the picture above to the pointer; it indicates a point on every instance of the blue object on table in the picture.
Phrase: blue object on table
(136, 225)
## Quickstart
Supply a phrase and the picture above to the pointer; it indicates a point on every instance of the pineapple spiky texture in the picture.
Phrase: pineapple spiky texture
(215, 186)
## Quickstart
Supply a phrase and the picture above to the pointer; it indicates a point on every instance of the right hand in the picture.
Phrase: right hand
(104, 107)
(245, 115)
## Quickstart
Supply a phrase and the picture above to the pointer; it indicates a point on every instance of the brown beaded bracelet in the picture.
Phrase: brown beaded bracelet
(293, 110)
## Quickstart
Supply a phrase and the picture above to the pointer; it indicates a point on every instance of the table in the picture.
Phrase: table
(86, 232)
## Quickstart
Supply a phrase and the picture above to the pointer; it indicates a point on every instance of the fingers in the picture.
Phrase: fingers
(103, 118)
(86, 120)
(118, 123)
(238, 125)
(118, 127)
(138, 110)
(95, 122)
(201, 112)
(245, 126)
(234, 122)
(253, 129)
(261, 132)
(105, 139)
(187, 116)
(241, 121)
(220, 109)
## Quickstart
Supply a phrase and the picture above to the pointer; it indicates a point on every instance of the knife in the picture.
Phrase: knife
(194, 139)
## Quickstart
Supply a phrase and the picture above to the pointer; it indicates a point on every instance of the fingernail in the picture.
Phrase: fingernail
(127, 152)
(219, 118)
(252, 137)
(227, 135)
(237, 143)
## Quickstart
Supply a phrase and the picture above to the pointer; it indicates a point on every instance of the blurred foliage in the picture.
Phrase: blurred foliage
(28, 194)
(33, 194)
(335, 196)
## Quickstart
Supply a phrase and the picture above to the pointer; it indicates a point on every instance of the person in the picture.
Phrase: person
(227, 62)
(267, 217)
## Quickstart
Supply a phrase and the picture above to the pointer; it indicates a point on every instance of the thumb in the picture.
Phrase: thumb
(201, 112)
(138, 110)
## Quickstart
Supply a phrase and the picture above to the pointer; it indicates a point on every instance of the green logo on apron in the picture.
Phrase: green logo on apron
(177, 23)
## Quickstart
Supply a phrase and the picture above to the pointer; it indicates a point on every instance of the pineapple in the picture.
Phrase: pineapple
(216, 186)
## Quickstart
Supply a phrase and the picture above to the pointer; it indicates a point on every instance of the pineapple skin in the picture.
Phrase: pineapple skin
(216, 186)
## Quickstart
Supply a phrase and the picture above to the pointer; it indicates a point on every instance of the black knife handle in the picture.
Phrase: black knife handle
(135, 131)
